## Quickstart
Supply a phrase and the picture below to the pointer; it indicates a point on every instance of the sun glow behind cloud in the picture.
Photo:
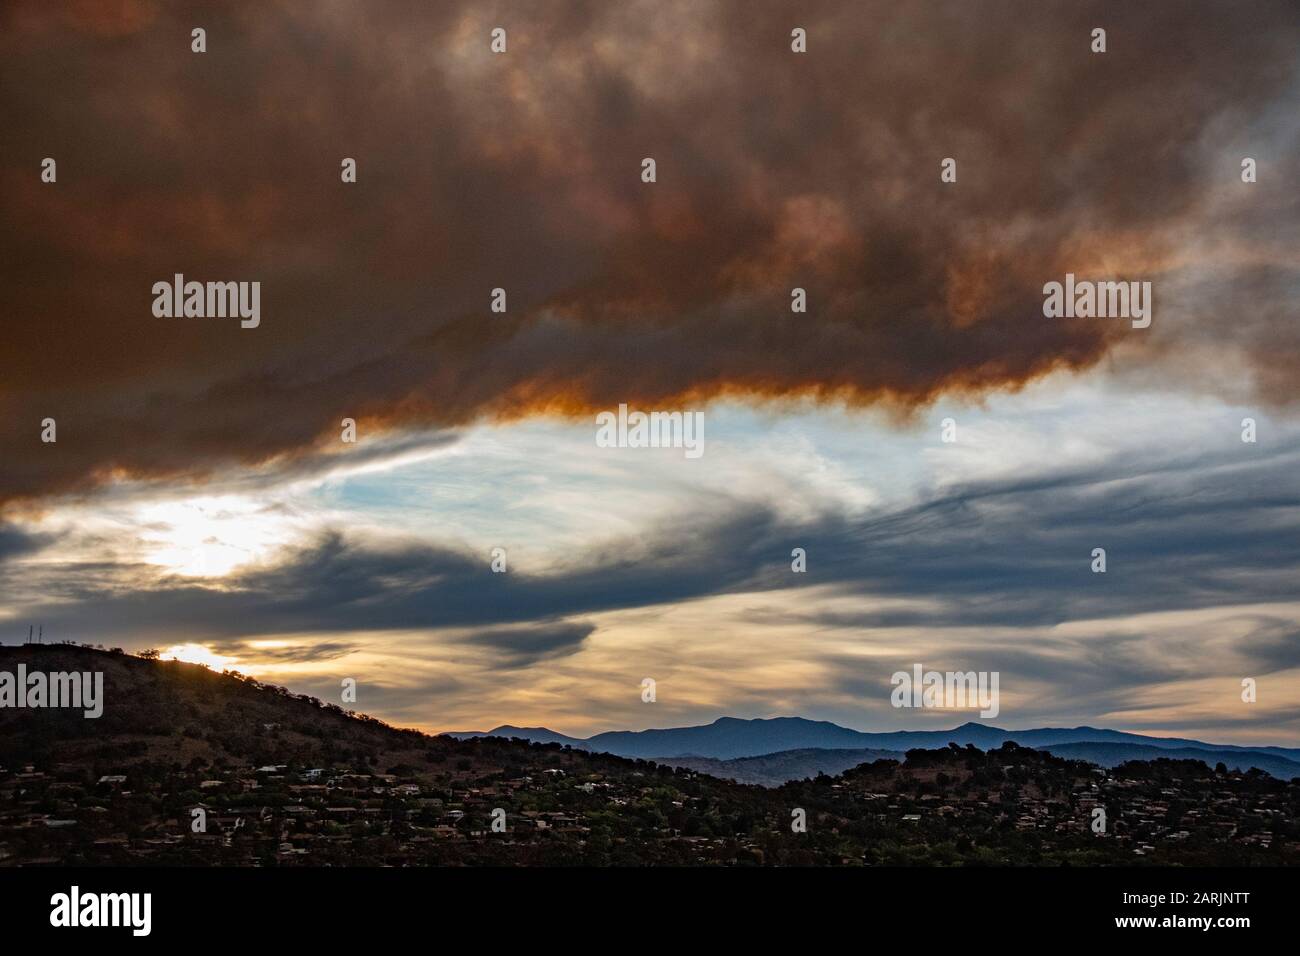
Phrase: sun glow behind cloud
(198, 654)
(210, 536)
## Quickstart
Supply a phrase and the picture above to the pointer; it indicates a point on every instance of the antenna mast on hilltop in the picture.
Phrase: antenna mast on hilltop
(29, 633)
(40, 635)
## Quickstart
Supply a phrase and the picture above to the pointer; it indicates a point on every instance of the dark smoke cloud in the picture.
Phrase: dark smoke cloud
(522, 171)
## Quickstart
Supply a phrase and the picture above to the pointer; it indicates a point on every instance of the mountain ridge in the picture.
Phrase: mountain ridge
(733, 738)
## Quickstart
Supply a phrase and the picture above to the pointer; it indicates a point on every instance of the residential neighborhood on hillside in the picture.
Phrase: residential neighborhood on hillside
(192, 767)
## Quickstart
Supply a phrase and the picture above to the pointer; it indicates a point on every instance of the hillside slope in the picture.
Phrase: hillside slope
(1112, 755)
(772, 770)
(191, 767)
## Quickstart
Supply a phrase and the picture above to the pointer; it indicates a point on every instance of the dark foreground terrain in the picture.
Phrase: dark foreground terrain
(188, 766)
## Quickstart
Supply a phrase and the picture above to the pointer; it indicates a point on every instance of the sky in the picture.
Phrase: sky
(199, 498)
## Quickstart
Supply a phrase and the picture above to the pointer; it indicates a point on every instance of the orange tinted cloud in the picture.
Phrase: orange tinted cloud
(522, 171)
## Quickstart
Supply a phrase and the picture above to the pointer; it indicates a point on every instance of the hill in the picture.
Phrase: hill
(772, 770)
(1112, 755)
(191, 767)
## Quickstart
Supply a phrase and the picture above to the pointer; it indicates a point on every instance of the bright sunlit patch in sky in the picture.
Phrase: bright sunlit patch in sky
(210, 536)
(198, 654)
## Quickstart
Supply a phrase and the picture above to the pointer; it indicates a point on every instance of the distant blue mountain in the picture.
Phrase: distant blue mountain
(730, 738)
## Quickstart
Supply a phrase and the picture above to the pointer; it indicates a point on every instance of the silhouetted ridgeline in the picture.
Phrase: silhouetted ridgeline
(727, 745)
(282, 779)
